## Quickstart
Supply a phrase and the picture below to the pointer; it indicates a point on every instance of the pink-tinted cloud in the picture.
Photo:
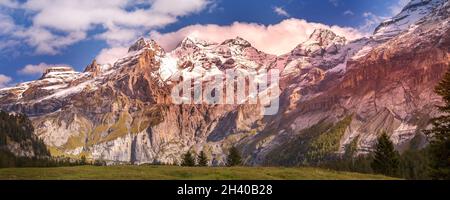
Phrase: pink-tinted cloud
(275, 39)
(4, 81)
(110, 55)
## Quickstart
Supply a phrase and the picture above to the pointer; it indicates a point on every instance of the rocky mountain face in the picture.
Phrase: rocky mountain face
(334, 94)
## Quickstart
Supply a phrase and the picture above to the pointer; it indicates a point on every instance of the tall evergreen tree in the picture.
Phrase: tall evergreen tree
(386, 159)
(202, 159)
(439, 147)
(234, 157)
(188, 160)
(83, 160)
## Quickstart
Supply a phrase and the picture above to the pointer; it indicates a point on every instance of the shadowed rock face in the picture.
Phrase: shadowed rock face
(124, 112)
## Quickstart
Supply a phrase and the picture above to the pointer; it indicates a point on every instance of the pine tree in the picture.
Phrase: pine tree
(234, 157)
(188, 160)
(202, 159)
(386, 159)
(439, 147)
(83, 160)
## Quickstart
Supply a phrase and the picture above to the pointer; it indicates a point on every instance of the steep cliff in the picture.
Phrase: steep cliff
(334, 92)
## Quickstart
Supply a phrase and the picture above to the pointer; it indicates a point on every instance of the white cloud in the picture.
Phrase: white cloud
(8, 45)
(179, 8)
(109, 56)
(280, 11)
(348, 13)
(275, 39)
(4, 81)
(6, 24)
(334, 2)
(119, 36)
(9, 3)
(57, 24)
(46, 42)
(38, 69)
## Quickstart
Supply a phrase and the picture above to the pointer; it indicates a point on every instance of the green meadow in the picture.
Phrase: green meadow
(125, 172)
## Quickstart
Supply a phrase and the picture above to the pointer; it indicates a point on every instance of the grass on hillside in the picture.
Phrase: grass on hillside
(179, 173)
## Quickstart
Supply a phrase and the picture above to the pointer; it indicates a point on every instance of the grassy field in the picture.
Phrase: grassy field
(178, 173)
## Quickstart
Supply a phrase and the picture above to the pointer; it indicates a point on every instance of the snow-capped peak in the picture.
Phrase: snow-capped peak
(238, 41)
(415, 4)
(413, 12)
(59, 72)
(97, 69)
(143, 43)
(324, 37)
(192, 42)
(321, 41)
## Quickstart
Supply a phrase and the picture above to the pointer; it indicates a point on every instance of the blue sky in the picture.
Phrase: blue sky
(35, 34)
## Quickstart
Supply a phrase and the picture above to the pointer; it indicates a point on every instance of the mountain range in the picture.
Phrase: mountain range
(335, 94)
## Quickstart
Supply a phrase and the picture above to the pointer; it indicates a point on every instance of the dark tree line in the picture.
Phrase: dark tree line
(411, 164)
(189, 160)
(432, 162)
(18, 129)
